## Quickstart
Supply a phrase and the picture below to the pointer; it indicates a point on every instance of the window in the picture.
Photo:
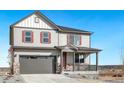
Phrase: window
(27, 36)
(36, 20)
(75, 39)
(45, 37)
(77, 59)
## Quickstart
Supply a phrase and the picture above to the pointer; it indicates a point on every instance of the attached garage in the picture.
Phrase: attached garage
(37, 64)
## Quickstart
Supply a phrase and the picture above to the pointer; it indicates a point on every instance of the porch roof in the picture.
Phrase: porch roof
(79, 49)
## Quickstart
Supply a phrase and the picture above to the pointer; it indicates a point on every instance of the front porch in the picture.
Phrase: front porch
(77, 58)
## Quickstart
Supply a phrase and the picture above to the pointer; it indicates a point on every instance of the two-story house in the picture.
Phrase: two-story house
(38, 45)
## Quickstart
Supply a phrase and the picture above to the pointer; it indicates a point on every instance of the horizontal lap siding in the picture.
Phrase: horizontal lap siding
(62, 39)
(36, 38)
(70, 58)
(85, 41)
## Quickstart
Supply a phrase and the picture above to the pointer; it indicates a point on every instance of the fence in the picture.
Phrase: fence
(100, 67)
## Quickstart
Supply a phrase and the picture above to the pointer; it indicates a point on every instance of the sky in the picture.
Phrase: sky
(107, 25)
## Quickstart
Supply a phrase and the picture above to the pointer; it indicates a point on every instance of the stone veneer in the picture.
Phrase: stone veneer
(16, 68)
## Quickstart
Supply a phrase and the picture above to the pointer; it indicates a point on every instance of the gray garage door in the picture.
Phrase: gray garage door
(37, 64)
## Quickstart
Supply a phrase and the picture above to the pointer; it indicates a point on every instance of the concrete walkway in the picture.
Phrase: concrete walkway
(48, 78)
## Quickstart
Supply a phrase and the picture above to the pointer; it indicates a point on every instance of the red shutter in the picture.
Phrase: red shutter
(23, 36)
(32, 37)
(41, 37)
(80, 39)
(49, 37)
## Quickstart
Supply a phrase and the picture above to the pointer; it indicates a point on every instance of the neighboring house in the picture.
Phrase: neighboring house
(40, 46)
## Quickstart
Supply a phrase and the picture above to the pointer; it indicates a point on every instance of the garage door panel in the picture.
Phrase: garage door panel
(36, 66)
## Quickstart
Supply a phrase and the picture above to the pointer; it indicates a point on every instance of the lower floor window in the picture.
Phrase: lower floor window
(77, 59)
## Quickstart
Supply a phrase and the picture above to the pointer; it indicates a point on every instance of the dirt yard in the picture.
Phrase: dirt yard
(106, 76)
(112, 75)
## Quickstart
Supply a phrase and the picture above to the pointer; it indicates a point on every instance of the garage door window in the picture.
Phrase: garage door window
(29, 57)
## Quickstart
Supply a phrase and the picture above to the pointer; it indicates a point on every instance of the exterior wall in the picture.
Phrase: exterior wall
(36, 38)
(30, 22)
(40, 53)
(85, 41)
(54, 38)
(69, 58)
(84, 38)
(62, 39)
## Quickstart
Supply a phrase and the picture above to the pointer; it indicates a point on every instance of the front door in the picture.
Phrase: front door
(64, 59)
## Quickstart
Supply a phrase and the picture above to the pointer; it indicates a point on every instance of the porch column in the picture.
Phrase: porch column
(79, 63)
(61, 64)
(74, 61)
(96, 61)
(84, 56)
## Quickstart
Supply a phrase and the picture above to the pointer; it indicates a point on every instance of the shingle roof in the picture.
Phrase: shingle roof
(89, 49)
(68, 29)
(81, 48)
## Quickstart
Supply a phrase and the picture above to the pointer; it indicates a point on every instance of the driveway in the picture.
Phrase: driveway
(47, 78)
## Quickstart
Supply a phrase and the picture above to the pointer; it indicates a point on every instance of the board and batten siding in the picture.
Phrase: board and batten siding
(30, 22)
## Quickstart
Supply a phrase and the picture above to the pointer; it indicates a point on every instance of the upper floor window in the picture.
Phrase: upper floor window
(45, 37)
(74, 39)
(36, 19)
(27, 36)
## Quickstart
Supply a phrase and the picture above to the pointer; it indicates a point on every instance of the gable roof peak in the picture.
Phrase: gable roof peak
(38, 13)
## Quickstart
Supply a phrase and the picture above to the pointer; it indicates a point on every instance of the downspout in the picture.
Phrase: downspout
(90, 47)
(12, 44)
(58, 38)
(12, 67)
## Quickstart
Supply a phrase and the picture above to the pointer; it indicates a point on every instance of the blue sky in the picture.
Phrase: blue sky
(108, 28)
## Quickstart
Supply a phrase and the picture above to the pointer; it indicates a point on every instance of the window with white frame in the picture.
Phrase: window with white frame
(74, 39)
(28, 36)
(45, 37)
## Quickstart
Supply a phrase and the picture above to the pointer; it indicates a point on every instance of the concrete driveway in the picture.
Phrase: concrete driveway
(47, 78)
